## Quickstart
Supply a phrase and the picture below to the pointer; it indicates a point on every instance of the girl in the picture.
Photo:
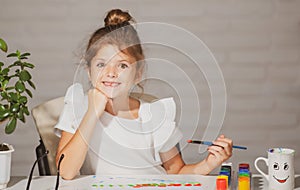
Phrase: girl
(109, 132)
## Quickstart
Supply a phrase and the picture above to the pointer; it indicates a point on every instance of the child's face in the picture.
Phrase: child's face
(112, 72)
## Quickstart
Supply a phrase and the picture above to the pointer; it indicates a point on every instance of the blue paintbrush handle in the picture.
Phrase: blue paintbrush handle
(210, 143)
(239, 147)
(207, 143)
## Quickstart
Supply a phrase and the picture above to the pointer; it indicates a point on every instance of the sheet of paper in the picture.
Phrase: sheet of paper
(122, 182)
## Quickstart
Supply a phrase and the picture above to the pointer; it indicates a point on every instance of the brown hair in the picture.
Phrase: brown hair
(117, 31)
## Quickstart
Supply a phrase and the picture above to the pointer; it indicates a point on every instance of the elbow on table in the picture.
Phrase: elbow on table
(67, 176)
(65, 172)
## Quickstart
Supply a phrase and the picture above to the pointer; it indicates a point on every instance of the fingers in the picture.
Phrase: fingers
(226, 147)
(223, 138)
(217, 155)
(97, 90)
(217, 151)
(97, 101)
(109, 100)
(225, 144)
(94, 91)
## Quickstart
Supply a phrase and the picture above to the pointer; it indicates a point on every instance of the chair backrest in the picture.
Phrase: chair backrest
(46, 116)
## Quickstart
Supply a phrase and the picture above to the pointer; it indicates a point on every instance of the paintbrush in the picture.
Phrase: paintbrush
(210, 143)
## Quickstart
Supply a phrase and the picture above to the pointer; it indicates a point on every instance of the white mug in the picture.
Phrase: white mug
(280, 164)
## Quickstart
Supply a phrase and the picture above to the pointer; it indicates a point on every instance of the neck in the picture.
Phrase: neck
(124, 106)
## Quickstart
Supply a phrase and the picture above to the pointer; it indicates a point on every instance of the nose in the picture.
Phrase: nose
(111, 72)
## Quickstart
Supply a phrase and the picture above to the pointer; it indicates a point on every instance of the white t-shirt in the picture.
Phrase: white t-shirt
(119, 145)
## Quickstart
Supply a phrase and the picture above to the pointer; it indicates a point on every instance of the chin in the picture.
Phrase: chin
(111, 95)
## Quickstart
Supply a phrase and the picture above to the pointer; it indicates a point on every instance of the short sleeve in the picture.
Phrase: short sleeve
(172, 141)
(73, 110)
(166, 134)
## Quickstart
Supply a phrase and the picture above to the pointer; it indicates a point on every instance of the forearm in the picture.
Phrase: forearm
(74, 155)
(76, 148)
(199, 168)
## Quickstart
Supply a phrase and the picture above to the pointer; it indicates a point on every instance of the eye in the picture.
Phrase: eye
(285, 166)
(100, 65)
(276, 166)
(123, 65)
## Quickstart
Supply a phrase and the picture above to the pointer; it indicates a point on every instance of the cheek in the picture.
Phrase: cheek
(128, 75)
(95, 75)
(130, 80)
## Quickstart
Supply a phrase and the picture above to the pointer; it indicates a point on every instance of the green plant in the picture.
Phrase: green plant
(14, 79)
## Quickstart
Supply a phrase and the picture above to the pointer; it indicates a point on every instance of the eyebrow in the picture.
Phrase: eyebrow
(105, 60)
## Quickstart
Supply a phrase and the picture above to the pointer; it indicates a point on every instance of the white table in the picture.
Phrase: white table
(87, 182)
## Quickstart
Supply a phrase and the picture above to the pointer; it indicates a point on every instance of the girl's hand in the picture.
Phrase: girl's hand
(97, 102)
(219, 152)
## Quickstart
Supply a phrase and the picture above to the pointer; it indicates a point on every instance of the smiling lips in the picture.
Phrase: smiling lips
(111, 84)
(281, 180)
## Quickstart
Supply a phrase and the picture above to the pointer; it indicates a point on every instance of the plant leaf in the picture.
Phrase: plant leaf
(23, 100)
(29, 65)
(10, 88)
(11, 125)
(10, 66)
(12, 55)
(18, 53)
(4, 83)
(19, 86)
(13, 96)
(3, 45)
(25, 110)
(22, 57)
(20, 116)
(24, 75)
(28, 92)
(31, 84)
(15, 108)
(4, 95)
(5, 71)
(16, 63)
(2, 107)
(25, 54)
(4, 113)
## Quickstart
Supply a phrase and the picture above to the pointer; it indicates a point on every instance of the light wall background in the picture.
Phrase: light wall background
(256, 43)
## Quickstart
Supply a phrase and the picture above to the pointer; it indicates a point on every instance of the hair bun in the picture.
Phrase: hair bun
(117, 16)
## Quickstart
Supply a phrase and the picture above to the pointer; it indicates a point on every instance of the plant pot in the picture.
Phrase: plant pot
(5, 165)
